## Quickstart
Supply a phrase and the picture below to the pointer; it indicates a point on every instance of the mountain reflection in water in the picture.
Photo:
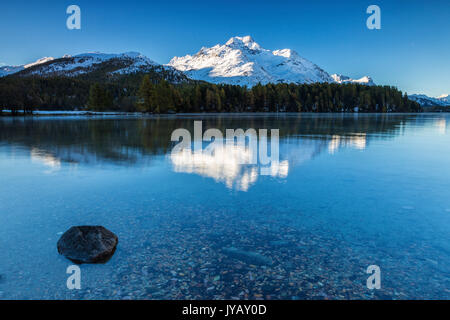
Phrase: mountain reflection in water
(138, 141)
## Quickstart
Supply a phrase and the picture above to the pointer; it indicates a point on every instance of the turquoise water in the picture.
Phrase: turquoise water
(348, 191)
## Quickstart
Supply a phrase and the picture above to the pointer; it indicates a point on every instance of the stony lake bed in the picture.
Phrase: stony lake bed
(349, 191)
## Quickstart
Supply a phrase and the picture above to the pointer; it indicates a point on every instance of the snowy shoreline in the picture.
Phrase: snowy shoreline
(71, 113)
(57, 113)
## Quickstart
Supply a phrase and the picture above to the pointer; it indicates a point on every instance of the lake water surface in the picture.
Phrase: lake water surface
(348, 191)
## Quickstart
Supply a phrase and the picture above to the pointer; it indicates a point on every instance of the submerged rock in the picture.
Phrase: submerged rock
(88, 244)
(280, 243)
(248, 256)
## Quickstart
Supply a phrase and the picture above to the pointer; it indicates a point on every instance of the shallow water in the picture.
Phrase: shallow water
(348, 191)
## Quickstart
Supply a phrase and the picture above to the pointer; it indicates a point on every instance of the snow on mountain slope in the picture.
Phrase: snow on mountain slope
(344, 79)
(426, 101)
(87, 62)
(242, 61)
(38, 62)
(7, 70)
(106, 64)
(445, 98)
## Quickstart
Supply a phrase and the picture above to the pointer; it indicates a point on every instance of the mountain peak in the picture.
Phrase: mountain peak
(242, 61)
(246, 41)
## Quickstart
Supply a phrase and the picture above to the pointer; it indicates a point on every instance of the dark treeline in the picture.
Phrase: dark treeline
(319, 97)
(28, 93)
(152, 94)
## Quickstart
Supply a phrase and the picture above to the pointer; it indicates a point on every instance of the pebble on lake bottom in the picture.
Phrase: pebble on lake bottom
(237, 260)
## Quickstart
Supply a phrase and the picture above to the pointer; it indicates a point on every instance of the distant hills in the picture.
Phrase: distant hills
(426, 101)
(94, 65)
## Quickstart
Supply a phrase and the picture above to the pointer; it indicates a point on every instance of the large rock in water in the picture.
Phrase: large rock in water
(88, 244)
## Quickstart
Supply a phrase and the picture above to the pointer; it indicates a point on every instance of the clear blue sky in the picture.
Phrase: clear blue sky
(411, 51)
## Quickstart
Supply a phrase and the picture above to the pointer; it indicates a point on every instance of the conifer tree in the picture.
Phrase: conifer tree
(95, 101)
(147, 96)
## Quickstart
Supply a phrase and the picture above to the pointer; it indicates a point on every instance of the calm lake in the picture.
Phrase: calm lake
(348, 192)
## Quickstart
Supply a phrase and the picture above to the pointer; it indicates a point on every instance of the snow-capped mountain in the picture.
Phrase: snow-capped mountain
(426, 101)
(366, 80)
(104, 63)
(242, 61)
(445, 98)
(7, 70)
(87, 62)
(83, 63)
